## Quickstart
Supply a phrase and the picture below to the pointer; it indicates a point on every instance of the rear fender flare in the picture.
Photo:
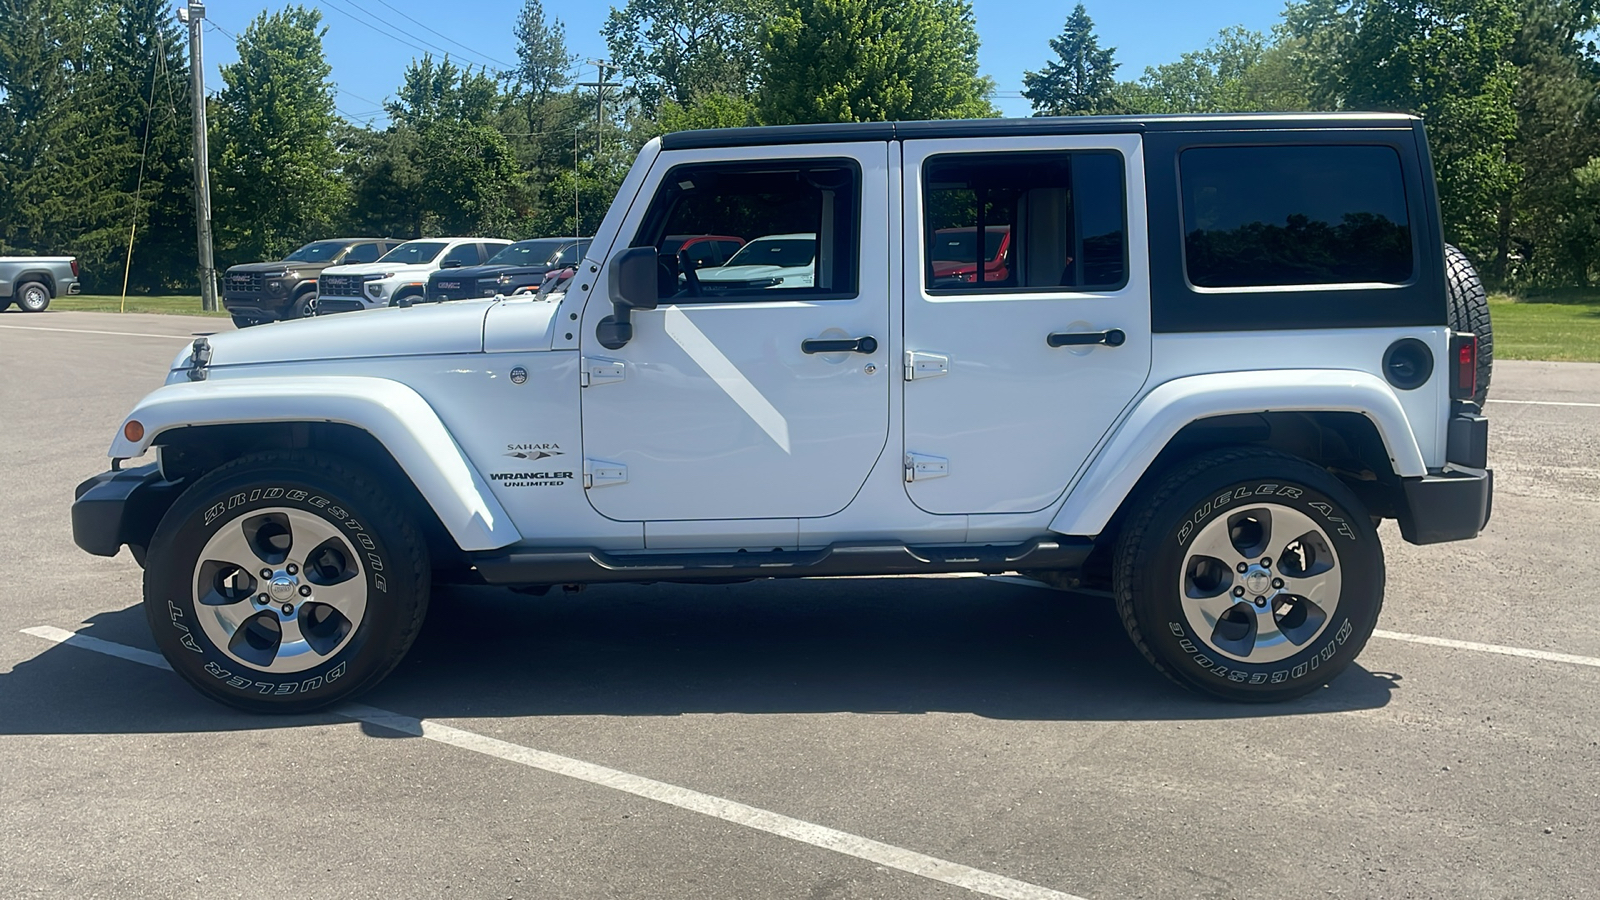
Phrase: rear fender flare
(1157, 417)
(394, 414)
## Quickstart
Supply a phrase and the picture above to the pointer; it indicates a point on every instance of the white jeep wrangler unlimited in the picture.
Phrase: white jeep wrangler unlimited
(1189, 361)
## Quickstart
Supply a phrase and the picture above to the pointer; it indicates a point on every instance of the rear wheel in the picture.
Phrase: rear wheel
(1249, 575)
(32, 296)
(285, 581)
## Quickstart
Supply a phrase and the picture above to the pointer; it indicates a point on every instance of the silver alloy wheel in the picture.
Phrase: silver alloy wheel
(280, 590)
(1260, 583)
(34, 297)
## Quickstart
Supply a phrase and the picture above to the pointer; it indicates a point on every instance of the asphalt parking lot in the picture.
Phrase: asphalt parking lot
(872, 738)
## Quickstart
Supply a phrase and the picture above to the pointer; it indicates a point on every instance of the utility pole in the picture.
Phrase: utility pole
(194, 16)
(599, 97)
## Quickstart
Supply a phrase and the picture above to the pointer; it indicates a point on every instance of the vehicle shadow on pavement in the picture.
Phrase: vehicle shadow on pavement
(878, 645)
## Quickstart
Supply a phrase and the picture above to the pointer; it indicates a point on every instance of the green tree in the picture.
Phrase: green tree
(1444, 60)
(276, 166)
(1082, 78)
(543, 62)
(707, 111)
(679, 49)
(442, 91)
(90, 143)
(1545, 222)
(871, 60)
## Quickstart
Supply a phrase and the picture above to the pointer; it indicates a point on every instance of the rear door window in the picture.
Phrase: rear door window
(1024, 221)
(1294, 215)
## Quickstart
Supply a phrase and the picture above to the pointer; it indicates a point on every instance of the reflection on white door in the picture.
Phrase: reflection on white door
(719, 413)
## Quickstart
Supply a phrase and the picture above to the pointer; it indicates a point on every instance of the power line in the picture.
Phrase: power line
(498, 62)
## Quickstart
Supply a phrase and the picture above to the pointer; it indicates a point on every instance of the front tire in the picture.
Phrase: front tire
(1249, 575)
(285, 581)
(32, 296)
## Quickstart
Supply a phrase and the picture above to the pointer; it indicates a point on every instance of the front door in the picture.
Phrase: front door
(1027, 313)
(758, 388)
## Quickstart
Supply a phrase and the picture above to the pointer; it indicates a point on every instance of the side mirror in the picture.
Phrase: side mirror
(450, 264)
(632, 286)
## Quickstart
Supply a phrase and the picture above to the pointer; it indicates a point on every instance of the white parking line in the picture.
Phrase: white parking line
(1547, 403)
(887, 855)
(175, 337)
(1524, 652)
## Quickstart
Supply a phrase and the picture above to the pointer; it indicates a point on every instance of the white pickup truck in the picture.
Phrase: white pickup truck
(1206, 357)
(31, 282)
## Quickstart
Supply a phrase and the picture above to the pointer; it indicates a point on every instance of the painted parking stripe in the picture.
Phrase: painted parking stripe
(1524, 652)
(1548, 403)
(887, 855)
(175, 337)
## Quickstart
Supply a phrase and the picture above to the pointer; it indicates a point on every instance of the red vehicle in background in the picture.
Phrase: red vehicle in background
(955, 257)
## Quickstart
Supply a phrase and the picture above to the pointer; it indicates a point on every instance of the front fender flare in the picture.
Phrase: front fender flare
(397, 416)
(1165, 410)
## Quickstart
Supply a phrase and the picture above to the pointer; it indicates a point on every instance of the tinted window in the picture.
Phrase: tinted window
(527, 253)
(1024, 221)
(464, 255)
(799, 222)
(1261, 216)
(415, 252)
(362, 253)
(571, 255)
(318, 252)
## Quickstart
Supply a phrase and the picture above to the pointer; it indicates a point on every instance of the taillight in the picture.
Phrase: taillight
(1464, 365)
(74, 268)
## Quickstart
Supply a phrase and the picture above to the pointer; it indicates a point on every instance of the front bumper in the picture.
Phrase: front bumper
(121, 507)
(327, 305)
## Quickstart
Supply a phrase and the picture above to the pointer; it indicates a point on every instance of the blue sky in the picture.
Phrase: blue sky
(370, 42)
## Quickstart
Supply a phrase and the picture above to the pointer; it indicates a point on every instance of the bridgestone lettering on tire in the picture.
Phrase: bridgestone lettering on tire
(1249, 575)
(284, 582)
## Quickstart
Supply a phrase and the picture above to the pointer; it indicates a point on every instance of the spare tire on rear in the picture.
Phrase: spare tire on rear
(1469, 311)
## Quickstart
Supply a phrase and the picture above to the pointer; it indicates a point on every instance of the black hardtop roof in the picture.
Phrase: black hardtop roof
(773, 135)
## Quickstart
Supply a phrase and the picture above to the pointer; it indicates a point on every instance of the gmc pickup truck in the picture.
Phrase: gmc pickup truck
(31, 282)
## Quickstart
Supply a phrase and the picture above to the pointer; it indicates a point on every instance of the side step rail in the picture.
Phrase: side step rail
(589, 566)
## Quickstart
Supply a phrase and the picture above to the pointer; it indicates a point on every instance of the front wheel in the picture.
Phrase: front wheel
(1249, 575)
(285, 581)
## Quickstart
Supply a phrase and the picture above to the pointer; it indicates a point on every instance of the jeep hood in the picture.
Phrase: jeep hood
(416, 331)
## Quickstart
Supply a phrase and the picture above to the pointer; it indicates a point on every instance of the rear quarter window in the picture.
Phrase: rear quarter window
(1288, 215)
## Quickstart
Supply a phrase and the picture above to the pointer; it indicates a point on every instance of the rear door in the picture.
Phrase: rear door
(1027, 313)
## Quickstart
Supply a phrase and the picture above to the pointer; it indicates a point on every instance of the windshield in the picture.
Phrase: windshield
(316, 251)
(785, 252)
(528, 253)
(413, 253)
(956, 244)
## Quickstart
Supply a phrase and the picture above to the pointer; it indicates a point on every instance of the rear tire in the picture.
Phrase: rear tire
(285, 581)
(1249, 575)
(1469, 311)
(32, 296)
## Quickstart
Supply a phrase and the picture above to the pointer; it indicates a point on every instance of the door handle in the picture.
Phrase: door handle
(868, 344)
(1114, 337)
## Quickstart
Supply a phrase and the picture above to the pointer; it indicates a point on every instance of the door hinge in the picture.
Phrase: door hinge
(921, 364)
(599, 473)
(596, 371)
(922, 467)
